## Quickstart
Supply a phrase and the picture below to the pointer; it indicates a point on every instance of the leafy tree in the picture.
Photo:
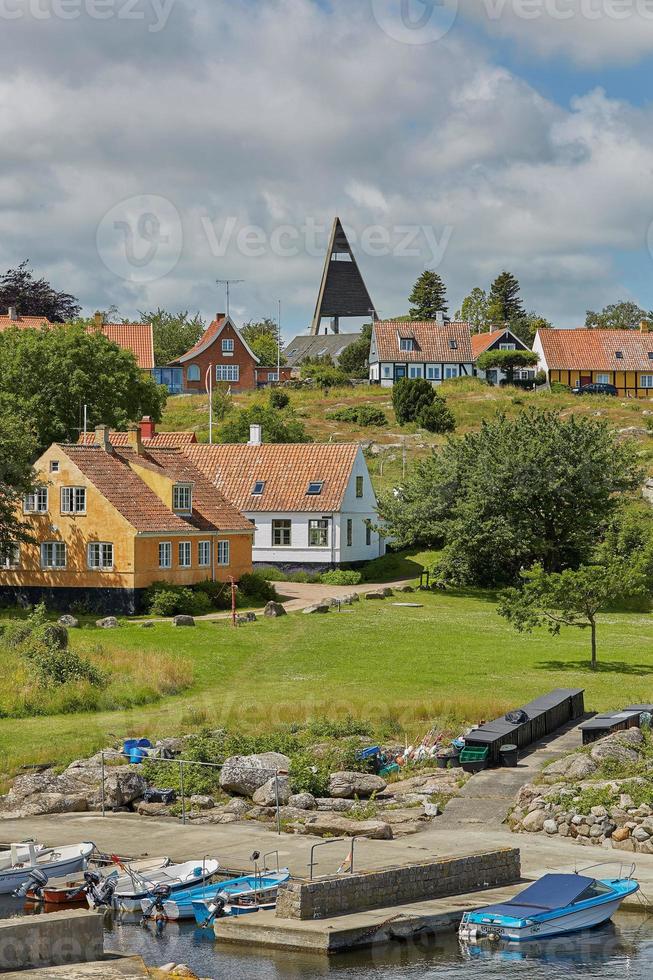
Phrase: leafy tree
(474, 310)
(276, 426)
(572, 597)
(629, 538)
(354, 359)
(537, 488)
(504, 302)
(35, 297)
(429, 296)
(17, 449)
(174, 333)
(437, 417)
(222, 402)
(617, 316)
(506, 361)
(278, 398)
(50, 374)
(410, 396)
(263, 338)
(525, 327)
(323, 372)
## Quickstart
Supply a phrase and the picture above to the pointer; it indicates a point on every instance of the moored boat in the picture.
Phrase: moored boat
(72, 889)
(22, 861)
(133, 888)
(555, 905)
(196, 902)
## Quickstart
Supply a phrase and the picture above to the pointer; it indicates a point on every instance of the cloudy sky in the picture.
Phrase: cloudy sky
(150, 147)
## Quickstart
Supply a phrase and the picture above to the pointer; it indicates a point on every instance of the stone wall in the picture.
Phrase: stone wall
(51, 940)
(398, 885)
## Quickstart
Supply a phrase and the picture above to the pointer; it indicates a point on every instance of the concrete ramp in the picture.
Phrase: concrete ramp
(118, 968)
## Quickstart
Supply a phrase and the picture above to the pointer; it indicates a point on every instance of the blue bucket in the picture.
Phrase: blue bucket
(136, 755)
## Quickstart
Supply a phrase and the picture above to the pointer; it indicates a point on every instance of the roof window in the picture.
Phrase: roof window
(259, 487)
(315, 488)
(453, 344)
(619, 354)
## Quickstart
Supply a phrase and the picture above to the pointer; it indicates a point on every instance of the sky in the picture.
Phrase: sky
(152, 147)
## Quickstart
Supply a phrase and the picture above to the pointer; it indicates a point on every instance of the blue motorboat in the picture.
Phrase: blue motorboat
(248, 890)
(555, 905)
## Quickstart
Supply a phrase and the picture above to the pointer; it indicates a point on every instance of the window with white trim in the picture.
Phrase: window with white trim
(603, 379)
(73, 500)
(223, 553)
(37, 502)
(193, 372)
(433, 372)
(54, 465)
(451, 371)
(258, 488)
(182, 497)
(227, 372)
(227, 346)
(350, 532)
(507, 346)
(281, 534)
(406, 343)
(272, 376)
(315, 488)
(11, 558)
(415, 371)
(646, 380)
(165, 554)
(318, 533)
(53, 554)
(99, 555)
(184, 552)
(387, 370)
(204, 554)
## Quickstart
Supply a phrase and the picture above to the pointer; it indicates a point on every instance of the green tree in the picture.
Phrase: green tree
(354, 360)
(17, 450)
(263, 338)
(537, 488)
(174, 333)
(437, 417)
(629, 538)
(35, 297)
(507, 361)
(51, 374)
(525, 327)
(572, 597)
(276, 426)
(410, 396)
(474, 310)
(429, 296)
(504, 302)
(323, 372)
(617, 316)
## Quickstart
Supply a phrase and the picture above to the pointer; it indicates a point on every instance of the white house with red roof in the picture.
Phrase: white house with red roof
(502, 339)
(430, 349)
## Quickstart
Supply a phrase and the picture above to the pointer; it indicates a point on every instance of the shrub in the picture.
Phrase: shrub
(255, 586)
(324, 375)
(52, 635)
(54, 665)
(410, 396)
(540, 378)
(166, 599)
(278, 398)
(218, 594)
(437, 417)
(364, 415)
(309, 775)
(342, 577)
(559, 388)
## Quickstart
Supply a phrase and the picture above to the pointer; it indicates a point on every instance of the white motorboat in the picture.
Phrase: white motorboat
(133, 887)
(18, 863)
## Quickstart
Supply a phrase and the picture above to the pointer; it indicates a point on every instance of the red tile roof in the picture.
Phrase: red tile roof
(432, 341)
(482, 341)
(596, 350)
(24, 322)
(286, 470)
(160, 440)
(207, 337)
(135, 337)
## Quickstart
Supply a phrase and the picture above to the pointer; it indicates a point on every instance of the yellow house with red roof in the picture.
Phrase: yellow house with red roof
(623, 358)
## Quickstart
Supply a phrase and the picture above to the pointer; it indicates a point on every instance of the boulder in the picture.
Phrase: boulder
(534, 821)
(108, 623)
(387, 592)
(347, 785)
(201, 802)
(68, 621)
(620, 834)
(573, 767)
(145, 809)
(243, 618)
(266, 795)
(244, 774)
(238, 806)
(122, 786)
(327, 805)
(317, 607)
(274, 609)
(148, 624)
(375, 595)
(183, 621)
(550, 826)
(302, 801)
(640, 835)
(623, 845)
(333, 825)
(614, 751)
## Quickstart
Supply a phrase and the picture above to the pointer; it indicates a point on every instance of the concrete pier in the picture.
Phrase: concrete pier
(72, 936)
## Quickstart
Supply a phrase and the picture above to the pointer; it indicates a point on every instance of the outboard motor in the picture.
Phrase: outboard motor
(100, 891)
(33, 886)
(216, 911)
(158, 897)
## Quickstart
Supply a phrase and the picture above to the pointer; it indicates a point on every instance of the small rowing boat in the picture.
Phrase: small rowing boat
(555, 905)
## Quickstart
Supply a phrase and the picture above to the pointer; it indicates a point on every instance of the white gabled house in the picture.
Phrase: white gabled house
(313, 504)
(431, 349)
(502, 339)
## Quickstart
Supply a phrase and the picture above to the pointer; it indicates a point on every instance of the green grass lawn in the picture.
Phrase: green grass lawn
(454, 660)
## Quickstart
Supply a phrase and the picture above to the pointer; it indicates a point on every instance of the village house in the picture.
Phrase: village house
(150, 438)
(313, 504)
(109, 521)
(430, 349)
(223, 354)
(623, 358)
(503, 339)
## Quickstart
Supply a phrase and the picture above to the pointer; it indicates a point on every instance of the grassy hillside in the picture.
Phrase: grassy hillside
(471, 400)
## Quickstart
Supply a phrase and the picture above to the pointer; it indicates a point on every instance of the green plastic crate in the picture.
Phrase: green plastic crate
(474, 755)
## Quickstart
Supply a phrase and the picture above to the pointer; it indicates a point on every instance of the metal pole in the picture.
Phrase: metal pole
(102, 762)
(276, 801)
(279, 345)
(181, 790)
(85, 420)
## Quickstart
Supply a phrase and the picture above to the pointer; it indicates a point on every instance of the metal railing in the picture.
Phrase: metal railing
(334, 840)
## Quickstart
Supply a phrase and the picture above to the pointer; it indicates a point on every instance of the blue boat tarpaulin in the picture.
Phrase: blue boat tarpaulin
(549, 893)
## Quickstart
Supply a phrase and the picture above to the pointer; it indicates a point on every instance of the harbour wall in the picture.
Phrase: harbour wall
(56, 939)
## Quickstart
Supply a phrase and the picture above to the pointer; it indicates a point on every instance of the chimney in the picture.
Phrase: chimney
(646, 326)
(98, 319)
(439, 316)
(102, 438)
(148, 428)
(255, 435)
(220, 316)
(13, 313)
(134, 439)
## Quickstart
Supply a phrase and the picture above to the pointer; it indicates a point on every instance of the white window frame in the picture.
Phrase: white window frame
(37, 502)
(184, 490)
(507, 346)
(433, 372)
(282, 529)
(387, 371)
(223, 552)
(646, 380)
(415, 371)
(318, 533)
(73, 500)
(12, 560)
(204, 554)
(99, 556)
(604, 379)
(227, 372)
(185, 554)
(406, 344)
(255, 491)
(54, 549)
(54, 465)
(273, 376)
(228, 346)
(193, 372)
(450, 371)
(165, 554)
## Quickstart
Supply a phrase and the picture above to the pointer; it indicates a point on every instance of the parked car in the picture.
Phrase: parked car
(594, 389)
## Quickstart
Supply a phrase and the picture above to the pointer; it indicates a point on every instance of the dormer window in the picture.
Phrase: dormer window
(650, 355)
(258, 489)
(182, 497)
(453, 344)
(315, 488)
(406, 343)
(619, 355)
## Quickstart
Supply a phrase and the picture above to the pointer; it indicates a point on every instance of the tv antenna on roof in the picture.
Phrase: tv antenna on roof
(227, 283)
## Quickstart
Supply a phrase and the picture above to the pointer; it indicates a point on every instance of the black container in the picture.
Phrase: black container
(509, 755)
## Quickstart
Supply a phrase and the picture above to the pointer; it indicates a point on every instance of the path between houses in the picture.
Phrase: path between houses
(486, 799)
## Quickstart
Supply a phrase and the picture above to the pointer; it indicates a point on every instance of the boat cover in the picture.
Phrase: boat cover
(549, 893)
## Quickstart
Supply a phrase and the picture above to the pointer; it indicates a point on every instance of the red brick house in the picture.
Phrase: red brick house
(224, 352)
